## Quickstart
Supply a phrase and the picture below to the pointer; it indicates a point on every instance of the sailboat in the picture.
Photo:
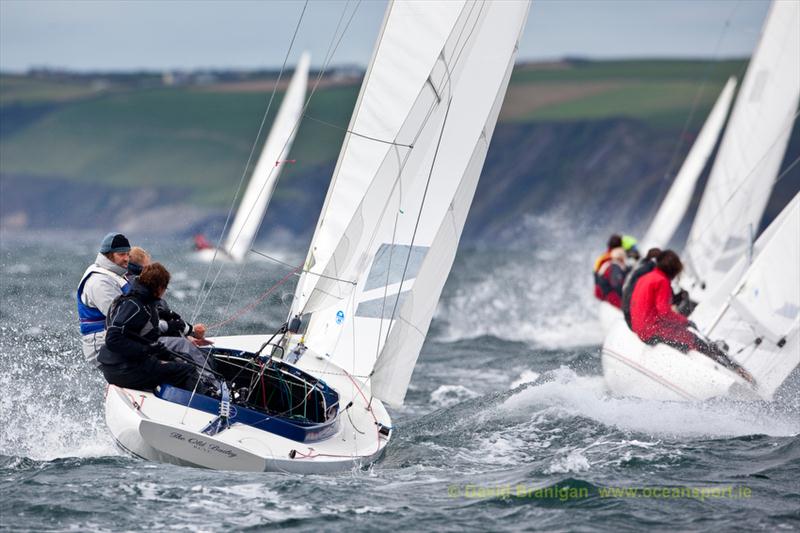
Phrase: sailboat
(312, 399)
(749, 284)
(239, 238)
(759, 319)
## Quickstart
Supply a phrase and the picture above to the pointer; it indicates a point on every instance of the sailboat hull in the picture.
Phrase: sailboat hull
(157, 429)
(633, 368)
(609, 316)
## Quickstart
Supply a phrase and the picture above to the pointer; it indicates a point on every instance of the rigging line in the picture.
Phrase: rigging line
(249, 307)
(351, 132)
(747, 177)
(294, 268)
(711, 66)
(328, 57)
(448, 71)
(786, 171)
(406, 157)
(419, 215)
(244, 171)
(424, 122)
(272, 169)
(389, 267)
(296, 123)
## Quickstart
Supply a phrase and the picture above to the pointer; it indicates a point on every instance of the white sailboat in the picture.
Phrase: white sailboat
(759, 319)
(242, 232)
(383, 248)
(722, 256)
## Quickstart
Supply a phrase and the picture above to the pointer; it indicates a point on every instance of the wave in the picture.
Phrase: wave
(572, 395)
(540, 293)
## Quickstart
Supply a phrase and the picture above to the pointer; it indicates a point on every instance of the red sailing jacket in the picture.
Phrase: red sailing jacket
(651, 310)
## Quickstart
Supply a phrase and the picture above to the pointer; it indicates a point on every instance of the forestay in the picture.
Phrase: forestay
(761, 319)
(750, 154)
(265, 175)
(673, 208)
(371, 308)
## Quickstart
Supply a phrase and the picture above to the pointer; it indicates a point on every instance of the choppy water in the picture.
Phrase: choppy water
(506, 426)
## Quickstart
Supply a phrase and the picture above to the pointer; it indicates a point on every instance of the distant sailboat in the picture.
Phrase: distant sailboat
(748, 289)
(383, 248)
(243, 231)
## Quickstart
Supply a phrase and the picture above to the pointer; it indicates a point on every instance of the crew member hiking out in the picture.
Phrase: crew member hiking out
(132, 356)
(643, 267)
(100, 284)
(654, 320)
(609, 272)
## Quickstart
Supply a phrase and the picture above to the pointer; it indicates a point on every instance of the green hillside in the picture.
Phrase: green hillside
(198, 137)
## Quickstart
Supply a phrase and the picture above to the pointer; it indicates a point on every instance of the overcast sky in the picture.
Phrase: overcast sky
(187, 34)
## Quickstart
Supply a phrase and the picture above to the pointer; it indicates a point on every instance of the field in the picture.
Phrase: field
(198, 137)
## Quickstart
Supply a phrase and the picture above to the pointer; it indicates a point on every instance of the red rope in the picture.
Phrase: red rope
(248, 308)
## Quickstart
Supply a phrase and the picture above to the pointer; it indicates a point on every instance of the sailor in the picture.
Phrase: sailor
(610, 270)
(629, 245)
(177, 335)
(201, 243)
(643, 267)
(100, 284)
(138, 258)
(132, 356)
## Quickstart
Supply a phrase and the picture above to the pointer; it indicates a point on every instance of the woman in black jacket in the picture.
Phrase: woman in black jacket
(132, 356)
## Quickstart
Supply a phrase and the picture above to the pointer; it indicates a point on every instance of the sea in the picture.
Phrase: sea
(507, 424)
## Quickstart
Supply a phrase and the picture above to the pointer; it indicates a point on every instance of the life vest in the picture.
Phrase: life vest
(91, 318)
(601, 284)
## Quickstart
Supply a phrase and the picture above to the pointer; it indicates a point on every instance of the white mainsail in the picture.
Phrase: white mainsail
(760, 320)
(673, 208)
(371, 308)
(276, 148)
(750, 153)
(399, 67)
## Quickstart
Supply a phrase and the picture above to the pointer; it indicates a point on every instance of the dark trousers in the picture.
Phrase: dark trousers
(150, 373)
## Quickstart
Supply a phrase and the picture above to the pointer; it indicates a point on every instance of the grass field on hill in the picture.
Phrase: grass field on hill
(199, 137)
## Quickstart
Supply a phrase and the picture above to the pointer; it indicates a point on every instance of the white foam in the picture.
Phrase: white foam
(575, 461)
(527, 376)
(542, 294)
(586, 396)
(447, 395)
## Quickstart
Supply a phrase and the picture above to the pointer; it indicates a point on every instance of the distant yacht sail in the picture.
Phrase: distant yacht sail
(750, 154)
(673, 208)
(242, 232)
